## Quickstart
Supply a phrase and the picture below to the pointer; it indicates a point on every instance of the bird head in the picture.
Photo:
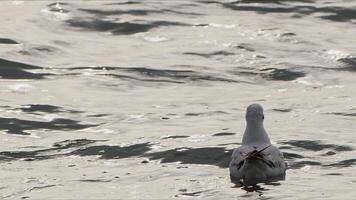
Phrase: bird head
(254, 113)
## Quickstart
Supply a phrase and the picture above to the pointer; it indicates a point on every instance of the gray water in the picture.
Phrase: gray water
(146, 99)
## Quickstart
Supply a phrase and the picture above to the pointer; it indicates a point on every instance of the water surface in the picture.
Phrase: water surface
(146, 99)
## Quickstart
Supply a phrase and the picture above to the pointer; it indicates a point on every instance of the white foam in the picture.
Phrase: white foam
(60, 16)
(165, 136)
(198, 138)
(21, 88)
(334, 86)
(155, 39)
(100, 130)
(182, 149)
(226, 26)
(156, 146)
(136, 116)
(309, 81)
(49, 117)
(17, 2)
(306, 168)
(337, 55)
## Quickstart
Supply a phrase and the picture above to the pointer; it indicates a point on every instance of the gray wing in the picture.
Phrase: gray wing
(268, 154)
(275, 157)
(237, 160)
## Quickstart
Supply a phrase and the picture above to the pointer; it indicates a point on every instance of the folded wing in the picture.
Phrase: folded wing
(267, 158)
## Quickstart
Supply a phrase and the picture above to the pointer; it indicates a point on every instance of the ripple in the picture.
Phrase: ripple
(281, 74)
(206, 156)
(191, 194)
(58, 4)
(113, 152)
(273, 74)
(224, 134)
(7, 41)
(245, 46)
(232, 143)
(334, 174)
(332, 13)
(16, 70)
(282, 110)
(300, 164)
(209, 55)
(48, 153)
(316, 145)
(136, 12)
(41, 187)
(343, 114)
(211, 113)
(174, 137)
(343, 163)
(57, 7)
(74, 143)
(19, 126)
(288, 155)
(44, 108)
(126, 77)
(145, 74)
(118, 28)
(14, 73)
(125, 3)
(13, 64)
(95, 180)
(103, 151)
(349, 60)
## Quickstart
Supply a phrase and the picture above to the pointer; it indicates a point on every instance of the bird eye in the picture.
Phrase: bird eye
(263, 117)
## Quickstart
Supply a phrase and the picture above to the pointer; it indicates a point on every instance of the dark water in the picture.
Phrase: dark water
(146, 99)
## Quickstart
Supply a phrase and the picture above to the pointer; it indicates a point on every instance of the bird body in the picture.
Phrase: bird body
(256, 160)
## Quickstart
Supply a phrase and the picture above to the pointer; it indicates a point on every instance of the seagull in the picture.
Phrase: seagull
(256, 160)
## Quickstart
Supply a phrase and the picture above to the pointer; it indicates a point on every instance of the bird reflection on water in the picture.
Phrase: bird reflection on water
(256, 187)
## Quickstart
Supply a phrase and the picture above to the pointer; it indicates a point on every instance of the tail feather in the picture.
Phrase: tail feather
(259, 156)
